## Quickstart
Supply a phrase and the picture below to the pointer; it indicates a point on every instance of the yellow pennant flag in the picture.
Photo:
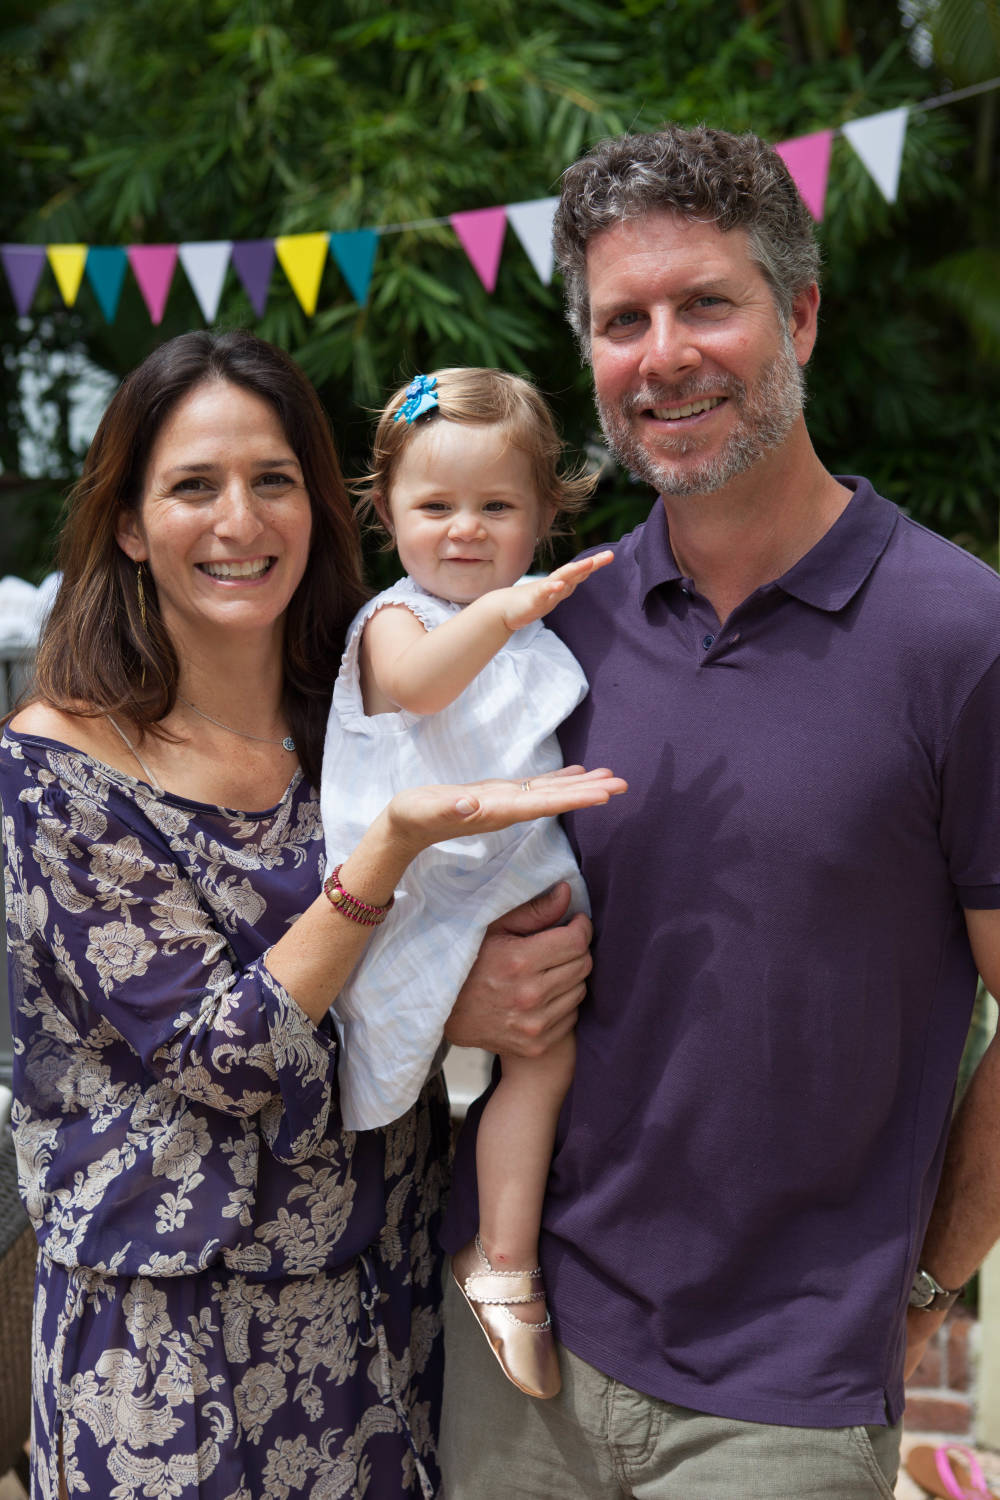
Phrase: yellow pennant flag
(68, 261)
(302, 258)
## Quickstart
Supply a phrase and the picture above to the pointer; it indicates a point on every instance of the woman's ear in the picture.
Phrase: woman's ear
(129, 536)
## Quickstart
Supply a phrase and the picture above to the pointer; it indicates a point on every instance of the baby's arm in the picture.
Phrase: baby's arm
(403, 665)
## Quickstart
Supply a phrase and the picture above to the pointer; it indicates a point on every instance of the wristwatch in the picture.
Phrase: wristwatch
(929, 1295)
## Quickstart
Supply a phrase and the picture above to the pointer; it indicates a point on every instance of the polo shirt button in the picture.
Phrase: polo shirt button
(707, 641)
(686, 592)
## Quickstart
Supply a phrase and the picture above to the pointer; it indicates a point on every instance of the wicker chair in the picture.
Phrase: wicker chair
(18, 1248)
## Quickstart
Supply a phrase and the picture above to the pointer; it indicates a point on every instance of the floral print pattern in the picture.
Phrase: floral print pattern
(235, 1297)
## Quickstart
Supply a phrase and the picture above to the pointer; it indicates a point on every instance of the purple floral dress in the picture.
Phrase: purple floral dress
(235, 1298)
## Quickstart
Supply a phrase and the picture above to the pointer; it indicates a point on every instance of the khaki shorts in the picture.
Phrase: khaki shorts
(600, 1440)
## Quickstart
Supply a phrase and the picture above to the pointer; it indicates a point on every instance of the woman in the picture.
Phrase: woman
(235, 1298)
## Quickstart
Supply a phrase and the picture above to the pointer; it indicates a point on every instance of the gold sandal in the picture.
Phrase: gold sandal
(526, 1351)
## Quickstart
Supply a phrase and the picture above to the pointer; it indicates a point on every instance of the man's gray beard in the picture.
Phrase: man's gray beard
(766, 414)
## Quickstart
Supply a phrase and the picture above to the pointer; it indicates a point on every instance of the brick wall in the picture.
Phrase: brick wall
(939, 1396)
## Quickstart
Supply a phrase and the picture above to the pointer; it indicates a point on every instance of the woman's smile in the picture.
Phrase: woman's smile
(225, 521)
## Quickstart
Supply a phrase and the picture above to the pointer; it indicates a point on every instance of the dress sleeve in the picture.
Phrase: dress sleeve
(104, 919)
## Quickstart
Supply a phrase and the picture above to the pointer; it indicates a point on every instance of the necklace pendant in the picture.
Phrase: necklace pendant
(288, 744)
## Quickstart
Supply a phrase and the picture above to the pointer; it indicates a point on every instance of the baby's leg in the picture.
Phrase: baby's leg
(513, 1150)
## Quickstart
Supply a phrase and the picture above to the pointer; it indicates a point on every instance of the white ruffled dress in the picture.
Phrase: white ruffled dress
(391, 1013)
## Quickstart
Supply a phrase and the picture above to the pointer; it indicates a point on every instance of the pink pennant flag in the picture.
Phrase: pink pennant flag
(481, 231)
(808, 159)
(153, 268)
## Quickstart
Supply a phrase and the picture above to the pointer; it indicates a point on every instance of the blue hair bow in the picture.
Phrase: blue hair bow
(420, 398)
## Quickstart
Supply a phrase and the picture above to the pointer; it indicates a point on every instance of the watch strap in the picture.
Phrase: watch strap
(929, 1295)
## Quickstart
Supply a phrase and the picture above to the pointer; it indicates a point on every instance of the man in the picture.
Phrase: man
(802, 688)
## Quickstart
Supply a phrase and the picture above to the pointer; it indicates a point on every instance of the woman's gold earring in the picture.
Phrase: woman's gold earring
(139, 570)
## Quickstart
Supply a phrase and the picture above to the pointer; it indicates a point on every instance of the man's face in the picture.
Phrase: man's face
(696, 375)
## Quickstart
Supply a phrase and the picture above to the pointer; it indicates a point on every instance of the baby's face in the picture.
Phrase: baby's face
(465, 517)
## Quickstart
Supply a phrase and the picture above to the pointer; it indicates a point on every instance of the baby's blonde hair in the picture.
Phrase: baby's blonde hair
(480, 397)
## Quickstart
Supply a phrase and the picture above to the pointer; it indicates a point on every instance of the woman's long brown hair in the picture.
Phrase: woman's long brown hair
(96, 655)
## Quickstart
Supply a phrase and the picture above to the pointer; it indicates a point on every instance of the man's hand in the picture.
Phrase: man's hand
(920, 1326)
(523, 990)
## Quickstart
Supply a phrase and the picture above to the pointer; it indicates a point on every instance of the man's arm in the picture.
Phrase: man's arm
(523, 990)
(965, 1221)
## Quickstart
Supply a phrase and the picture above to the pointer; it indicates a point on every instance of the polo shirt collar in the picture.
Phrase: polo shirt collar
(830, 573)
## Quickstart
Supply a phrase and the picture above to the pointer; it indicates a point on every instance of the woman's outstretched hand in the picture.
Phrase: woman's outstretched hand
(315, 956)
(429, 814)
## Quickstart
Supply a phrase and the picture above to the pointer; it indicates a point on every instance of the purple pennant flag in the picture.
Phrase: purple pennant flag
(253, 262)
(23, 264)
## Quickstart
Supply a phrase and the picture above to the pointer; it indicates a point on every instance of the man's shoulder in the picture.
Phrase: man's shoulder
(924, 558)
(601, 595)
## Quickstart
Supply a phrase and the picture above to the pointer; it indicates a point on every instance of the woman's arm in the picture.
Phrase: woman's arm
(314, 958)
(99, 894)
(404, 665)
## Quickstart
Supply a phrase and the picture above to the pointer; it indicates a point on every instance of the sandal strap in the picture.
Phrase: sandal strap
(942, 1460)
(504, 1287)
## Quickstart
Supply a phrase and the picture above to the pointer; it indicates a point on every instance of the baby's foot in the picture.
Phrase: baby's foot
(522, 1341)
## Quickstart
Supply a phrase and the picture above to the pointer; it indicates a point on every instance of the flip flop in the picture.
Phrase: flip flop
(950, 1472)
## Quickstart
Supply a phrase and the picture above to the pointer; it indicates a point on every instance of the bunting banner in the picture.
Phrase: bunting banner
(205, 266)
(480, 232)
(354, 253)
(532, 223)
(253, 262)
(808, 159)
(67, 262)
(153, 268)
(23, 265)
(877, 140)
(106, 267)
(302, 258)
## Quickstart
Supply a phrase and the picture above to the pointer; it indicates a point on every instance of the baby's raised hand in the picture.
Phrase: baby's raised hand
(531, 601)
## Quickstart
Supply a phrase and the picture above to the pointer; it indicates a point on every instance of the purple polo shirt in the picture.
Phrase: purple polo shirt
(782, 981)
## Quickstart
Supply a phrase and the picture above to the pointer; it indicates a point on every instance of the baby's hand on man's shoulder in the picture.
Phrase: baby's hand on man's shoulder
(535, 598)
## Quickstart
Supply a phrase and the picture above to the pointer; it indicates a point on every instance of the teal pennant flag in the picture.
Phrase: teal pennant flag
(106, 267)
(354, 252)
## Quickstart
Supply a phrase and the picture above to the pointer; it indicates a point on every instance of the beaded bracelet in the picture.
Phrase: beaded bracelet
(362, 912)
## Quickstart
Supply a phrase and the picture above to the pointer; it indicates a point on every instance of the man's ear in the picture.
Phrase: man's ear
(129, 536)
(802, 325)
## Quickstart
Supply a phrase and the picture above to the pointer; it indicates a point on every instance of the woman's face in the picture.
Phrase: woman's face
(224, 520)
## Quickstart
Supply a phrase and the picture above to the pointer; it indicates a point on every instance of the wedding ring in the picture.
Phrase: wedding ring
(525, 786)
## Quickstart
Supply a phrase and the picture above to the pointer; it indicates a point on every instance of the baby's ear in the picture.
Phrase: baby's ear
(546, 518)
(381, 507)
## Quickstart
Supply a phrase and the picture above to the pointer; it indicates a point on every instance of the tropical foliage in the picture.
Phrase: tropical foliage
(132, 120)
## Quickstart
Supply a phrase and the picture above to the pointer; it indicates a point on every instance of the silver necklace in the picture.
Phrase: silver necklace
(286, 744)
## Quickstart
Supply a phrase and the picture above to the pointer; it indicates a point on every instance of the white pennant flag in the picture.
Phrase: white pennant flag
(532, 223)
(205, 265)
(878, 140)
